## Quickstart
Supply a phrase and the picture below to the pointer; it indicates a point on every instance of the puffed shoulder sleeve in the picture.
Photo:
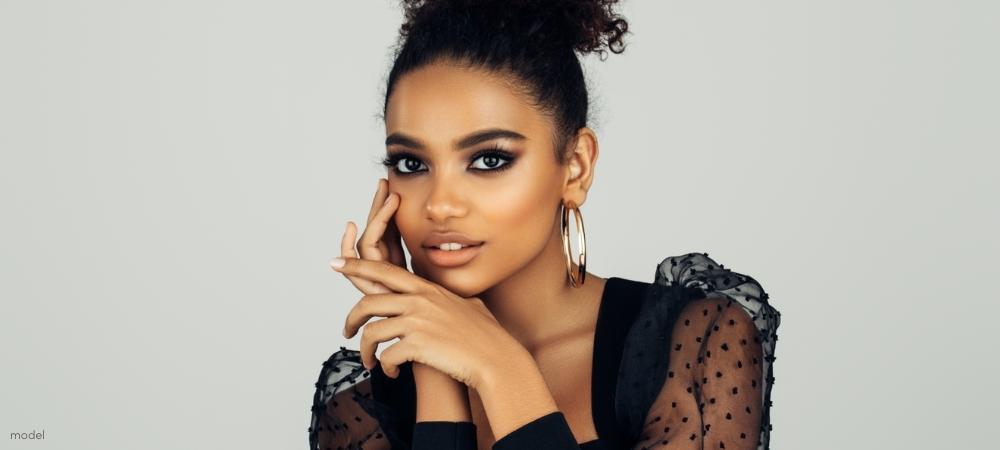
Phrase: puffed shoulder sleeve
(347, 414)
(697, 369)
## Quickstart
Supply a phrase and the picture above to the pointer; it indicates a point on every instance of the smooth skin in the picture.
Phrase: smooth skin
(507, 329)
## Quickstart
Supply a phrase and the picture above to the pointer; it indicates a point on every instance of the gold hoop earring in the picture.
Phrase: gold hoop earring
(578, 279)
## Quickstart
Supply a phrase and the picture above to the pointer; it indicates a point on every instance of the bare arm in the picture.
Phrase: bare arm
(515, 393)
(443, 417)
(439, 396)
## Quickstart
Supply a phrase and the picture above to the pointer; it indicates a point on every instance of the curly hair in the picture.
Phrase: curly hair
(532, 44)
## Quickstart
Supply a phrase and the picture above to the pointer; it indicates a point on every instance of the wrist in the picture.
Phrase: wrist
(507, 359)
(514, 394)
(439, 396)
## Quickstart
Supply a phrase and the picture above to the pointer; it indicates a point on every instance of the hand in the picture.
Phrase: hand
(457, 336)
(439, 397)
(380, 240)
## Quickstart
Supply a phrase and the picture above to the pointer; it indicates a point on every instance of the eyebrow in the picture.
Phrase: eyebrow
(467, 141)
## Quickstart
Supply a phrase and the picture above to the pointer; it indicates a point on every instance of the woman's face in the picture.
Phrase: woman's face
(502, 189)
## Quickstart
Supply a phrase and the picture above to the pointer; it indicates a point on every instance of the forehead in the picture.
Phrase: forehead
(445, 102)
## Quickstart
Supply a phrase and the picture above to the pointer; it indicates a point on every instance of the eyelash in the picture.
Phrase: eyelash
(392, 161)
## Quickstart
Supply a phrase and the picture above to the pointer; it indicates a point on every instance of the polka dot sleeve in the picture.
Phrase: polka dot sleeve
(711, 397)
(729, 374)
(345, 413)
(715, 389)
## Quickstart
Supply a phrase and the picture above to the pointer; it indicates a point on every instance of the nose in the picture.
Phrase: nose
(445, 200)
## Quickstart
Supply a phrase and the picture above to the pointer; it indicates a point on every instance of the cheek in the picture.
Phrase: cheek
(521, 215)
(520, 205)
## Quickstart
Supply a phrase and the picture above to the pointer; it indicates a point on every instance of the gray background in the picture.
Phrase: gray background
(176, 176)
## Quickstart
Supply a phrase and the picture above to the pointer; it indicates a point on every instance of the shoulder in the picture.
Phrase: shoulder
(693, 303)
(714, 290)
(693, 295)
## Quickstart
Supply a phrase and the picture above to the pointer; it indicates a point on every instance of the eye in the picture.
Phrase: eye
(408, 165)
(492, 160)
(403, 163)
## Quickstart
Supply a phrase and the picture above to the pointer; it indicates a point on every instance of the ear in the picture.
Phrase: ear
(579, 167)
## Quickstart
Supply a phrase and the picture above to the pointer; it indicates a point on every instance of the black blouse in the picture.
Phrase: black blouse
(683, 362)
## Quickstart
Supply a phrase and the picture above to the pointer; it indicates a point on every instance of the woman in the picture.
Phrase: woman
(505, 341)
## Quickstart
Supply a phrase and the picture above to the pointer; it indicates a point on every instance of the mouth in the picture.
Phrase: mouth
(453, 254)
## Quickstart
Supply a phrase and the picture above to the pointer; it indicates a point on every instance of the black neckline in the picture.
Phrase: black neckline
(614, 319)
(594, 402)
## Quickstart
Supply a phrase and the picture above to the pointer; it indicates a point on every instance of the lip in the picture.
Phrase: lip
(437, 238)
(452, 258)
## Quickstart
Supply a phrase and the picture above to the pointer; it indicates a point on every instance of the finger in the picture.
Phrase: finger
(347, 251)
(368, 246)
(375, 305)
(396, 355)
(392, 276)
(380, 191)
(394, 240)
(383, 249)
(377, 332)
(347, 241)
(365, 286)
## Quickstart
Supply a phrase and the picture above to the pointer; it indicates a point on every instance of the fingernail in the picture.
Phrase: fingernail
(337, 263)
(387, 198)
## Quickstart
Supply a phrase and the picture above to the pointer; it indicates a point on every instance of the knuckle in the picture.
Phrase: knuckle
(369, 331)
(395, 354)
(417, 329)
(358, 309)
(433, 289)
(416, 336)
(420, 299)
(388, 356)
(412, 324)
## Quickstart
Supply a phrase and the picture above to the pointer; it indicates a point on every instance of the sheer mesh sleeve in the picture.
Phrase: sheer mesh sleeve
(715, 393)
(711, 397)
(346, 414)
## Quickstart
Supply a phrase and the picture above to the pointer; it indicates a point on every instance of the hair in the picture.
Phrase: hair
(530, 44)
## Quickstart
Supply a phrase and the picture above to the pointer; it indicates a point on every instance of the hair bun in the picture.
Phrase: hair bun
(585, 26)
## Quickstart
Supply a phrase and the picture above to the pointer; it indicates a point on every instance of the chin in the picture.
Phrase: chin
(459, 281)
(463, 286)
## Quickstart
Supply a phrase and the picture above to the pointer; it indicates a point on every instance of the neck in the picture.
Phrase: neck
(538, 306)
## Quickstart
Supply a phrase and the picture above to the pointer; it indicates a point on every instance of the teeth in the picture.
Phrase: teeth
(450, 246)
